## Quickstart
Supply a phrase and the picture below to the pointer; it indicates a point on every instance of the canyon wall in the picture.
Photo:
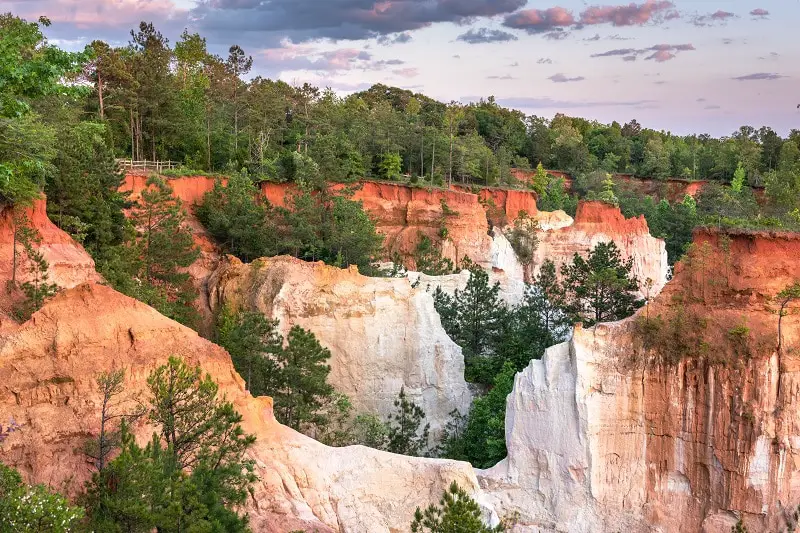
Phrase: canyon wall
(683, 418)
(48, 369)
(382, 333)
(597, 222)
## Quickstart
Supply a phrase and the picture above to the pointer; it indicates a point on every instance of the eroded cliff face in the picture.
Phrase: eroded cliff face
(597, 222)
(48, 369)
(68, 263)
(682, 418)
(382, 333)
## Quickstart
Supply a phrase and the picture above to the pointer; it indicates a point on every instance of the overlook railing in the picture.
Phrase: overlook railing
(132, 166)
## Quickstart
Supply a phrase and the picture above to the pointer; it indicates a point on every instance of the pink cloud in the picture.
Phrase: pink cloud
(630, 15)
(760, 13)
(540, 20)
(85, 14)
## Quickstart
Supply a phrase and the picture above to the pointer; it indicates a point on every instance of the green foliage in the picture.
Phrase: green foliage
(523, 237)
(540, 180)
(480, 436)
(390, 167)
(405, 433)
(739, 176)
(456, 513)
(192, 474)
(82, 193)
(555, 198)
(428, 258)
(30, 68)
(33, 509)
(37, 288)
(601, 287)
(149, 264)
(472, 318)
(299, 384)
(294, 373)
(232, 216)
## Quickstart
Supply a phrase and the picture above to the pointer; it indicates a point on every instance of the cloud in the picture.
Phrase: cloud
(556, 35)
(615, 37)
(658, 53)
(561, 78)
(700, 100)
(89, 14)
(629, 15)
(399, 38)
(486, 35)
(718, 16)
(712, 107)
(540, 20)
(308, 20)
(514, 64)
(292, 57)
(545, 61)
(759, 76)
(759, 13)
(506, 77)
(406, 72)
(559, 19)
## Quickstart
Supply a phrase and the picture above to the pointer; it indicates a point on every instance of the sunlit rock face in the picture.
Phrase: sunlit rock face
(383, 334)
(597, 222)
(68, 262)
(48, 370)
(603, 434)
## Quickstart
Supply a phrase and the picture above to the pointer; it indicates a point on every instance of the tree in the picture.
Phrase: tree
(149, 265)
(540, 180)
(403, 428)
(239, 65)
(299, 386)
(523, 238)
(600, 288)
(33, 509)
(390, 167)
(739, 177)
(428, 258)
(456, 513)
(37, 288)
(479, 438)
(253, 343)
(30, 68)
(232, 216)
(108, 438)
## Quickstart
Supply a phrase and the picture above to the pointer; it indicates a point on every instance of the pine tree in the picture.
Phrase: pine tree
(600, 288)
(253, 343)
(403, 428)
(457, 512)
(299, 385)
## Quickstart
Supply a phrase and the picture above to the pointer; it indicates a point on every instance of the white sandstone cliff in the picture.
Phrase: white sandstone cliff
(382, 333)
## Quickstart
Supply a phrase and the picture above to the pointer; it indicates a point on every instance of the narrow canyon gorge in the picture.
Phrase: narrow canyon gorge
(683, 417)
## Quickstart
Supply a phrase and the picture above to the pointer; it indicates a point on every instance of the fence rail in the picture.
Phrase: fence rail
(133, 166)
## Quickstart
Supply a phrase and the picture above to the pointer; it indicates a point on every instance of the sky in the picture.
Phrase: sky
(685, 66)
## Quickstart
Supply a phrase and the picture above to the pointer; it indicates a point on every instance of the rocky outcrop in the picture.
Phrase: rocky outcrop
(597, 222)
(68, 263)
(683, 418)
(382, 333)
(47, 384)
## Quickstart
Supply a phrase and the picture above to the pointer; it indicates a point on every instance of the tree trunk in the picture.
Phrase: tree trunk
(433, 155)
(100, 96)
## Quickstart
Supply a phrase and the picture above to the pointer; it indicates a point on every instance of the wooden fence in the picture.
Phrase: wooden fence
(131, 166)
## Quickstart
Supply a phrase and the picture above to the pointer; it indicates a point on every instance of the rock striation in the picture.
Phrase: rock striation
(382, 333)
(597, 222)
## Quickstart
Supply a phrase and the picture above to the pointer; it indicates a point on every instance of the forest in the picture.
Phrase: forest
(67, 118)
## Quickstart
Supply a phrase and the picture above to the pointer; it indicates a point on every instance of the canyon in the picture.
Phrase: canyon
(683, 417)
